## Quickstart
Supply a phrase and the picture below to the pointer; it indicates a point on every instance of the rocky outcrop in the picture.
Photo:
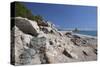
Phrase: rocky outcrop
(34, 44)
(27, 26)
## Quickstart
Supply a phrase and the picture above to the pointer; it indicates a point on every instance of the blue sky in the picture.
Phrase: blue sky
(67, 16)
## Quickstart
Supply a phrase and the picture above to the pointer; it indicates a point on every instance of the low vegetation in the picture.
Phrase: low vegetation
(21, 10)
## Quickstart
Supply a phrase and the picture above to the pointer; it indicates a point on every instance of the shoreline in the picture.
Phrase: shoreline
(81, 35)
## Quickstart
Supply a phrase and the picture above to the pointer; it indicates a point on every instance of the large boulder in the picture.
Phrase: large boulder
(22, 53)
(27, 26)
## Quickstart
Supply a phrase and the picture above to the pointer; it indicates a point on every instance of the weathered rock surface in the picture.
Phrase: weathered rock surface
(33, 44)
(21, 47)
(27, 26)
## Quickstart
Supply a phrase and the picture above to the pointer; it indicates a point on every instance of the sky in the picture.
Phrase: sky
(66, 16)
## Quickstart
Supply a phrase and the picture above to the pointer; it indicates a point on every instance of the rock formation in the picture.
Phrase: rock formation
(38, 44)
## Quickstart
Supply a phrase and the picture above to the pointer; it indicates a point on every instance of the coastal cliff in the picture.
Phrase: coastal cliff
(33, 43)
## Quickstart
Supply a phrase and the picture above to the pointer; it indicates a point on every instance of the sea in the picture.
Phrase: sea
(91, 33)
(84, 32)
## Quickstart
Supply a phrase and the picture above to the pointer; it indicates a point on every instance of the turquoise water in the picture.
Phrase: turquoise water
(92, 33)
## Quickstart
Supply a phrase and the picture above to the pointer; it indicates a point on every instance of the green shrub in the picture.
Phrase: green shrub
(21, 10)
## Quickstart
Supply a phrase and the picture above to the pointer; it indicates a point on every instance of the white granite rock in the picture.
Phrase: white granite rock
(33, 44)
